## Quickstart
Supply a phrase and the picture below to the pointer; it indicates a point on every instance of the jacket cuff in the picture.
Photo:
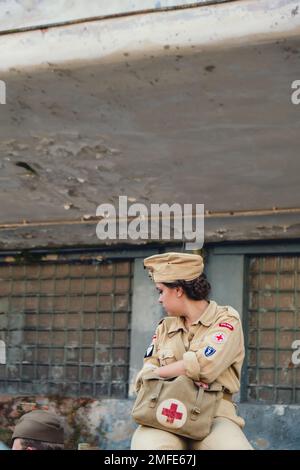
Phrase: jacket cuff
(191, 365)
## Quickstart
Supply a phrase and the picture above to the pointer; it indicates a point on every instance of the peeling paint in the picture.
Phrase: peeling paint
(262, 443)
(279, 410)
(295, 11)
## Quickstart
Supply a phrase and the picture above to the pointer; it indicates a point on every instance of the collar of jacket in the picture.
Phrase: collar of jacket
(206, 318)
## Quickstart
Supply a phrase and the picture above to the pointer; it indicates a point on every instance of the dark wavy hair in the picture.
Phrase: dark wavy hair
(197, 289)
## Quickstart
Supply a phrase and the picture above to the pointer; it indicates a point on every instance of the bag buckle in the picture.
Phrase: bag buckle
(152, 401)
(195, 413)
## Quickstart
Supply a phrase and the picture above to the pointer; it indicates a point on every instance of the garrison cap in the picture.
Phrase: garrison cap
(170, 267)
(40, 425)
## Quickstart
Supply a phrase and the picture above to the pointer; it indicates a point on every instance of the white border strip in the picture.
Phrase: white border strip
(222, 25)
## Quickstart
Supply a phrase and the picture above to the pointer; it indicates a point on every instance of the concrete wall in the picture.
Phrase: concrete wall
(226, 273)
(272, 426)
(74, 135)
(146, 313)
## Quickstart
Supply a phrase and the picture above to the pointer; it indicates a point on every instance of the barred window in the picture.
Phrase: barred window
(66, 327)
(273, 329)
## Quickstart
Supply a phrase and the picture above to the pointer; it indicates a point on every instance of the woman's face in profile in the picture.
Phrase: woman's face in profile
(170, 298)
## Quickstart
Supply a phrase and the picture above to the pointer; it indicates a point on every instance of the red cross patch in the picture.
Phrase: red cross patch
(219, 337)
(171, 413)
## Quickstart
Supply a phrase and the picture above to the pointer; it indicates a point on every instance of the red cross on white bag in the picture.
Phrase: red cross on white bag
(171, 413)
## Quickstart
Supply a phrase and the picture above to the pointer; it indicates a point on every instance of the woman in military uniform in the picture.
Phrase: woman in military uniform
(213, 339)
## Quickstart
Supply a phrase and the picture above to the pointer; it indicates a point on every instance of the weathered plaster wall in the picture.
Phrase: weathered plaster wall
(143, 128)
(272, 426)
(143, 105)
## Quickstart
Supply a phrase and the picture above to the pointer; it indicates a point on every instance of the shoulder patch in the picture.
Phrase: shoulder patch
(209, 351)
(219, 337)
(149, 351)
(226, 325)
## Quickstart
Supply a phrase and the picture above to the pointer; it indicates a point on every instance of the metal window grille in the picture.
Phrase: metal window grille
(273, 324)
(66, 328)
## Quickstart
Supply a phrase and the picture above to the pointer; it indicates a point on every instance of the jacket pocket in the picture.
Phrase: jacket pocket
(166, 356)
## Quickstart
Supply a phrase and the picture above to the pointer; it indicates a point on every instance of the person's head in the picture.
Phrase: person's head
(179, 279)
(38, 430)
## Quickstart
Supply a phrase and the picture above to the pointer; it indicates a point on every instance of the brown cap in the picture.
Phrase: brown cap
(170, 267)
(40, 425)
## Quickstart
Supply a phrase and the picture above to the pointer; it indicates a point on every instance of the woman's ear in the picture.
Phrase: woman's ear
(179, 291)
